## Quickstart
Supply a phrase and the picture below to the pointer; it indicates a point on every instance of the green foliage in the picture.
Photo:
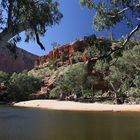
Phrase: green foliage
(72, 82)
(63, 57)
(98, 47)
(137, 81)
(109, 13)
(31, 16)
(55, 92)
(98, 93)
(101, 65)
(115, 78)
(129, 63)
(87, 3)
(133, 92)
(74, 76)
(124, 75)
(92, 51)
(21, 86)
(52, 63)
(4, 77)
(76, 56)
(87, 94)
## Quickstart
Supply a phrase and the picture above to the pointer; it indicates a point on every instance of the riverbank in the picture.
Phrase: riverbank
(76, 106)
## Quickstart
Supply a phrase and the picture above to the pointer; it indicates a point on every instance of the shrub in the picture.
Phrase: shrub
(63, 57)
(52, 63)
(124, 75)
(4, 77)
(133, 92)
(137, 81)
(55, 93)
(87, 94)
(76, 56)
(21, 86)
(72, 82)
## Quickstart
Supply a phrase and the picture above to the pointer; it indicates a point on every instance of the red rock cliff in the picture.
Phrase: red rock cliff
(67, 50)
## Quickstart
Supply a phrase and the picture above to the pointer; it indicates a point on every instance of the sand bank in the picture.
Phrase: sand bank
(76, 106)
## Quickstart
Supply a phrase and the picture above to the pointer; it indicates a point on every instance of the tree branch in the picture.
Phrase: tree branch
(37, 39)
(131, 33)
(130, 7)
(137, 68)
(9, 33)
(125, 42)
(10, 8)
(125, 9)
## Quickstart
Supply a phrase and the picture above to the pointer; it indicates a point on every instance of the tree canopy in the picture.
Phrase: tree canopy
(31, 16)
(111, 12)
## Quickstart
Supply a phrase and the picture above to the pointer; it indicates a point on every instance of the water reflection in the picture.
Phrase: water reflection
(34, 124)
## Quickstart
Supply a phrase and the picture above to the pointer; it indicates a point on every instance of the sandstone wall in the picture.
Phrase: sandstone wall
(9, 63)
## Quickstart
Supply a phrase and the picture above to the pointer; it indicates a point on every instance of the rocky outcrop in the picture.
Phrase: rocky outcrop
(23, 60)
(67, 51)
(72, 52)
(49, 81)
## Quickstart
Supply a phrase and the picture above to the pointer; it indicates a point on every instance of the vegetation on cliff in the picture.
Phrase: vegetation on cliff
(114, 78)
(92, 69)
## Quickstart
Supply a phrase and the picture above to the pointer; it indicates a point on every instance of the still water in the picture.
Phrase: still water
(39, 124)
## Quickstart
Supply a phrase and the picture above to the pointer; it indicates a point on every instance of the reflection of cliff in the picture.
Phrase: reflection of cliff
(24, 60)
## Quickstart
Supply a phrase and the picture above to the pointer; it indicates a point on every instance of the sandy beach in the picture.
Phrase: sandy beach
(76, 106)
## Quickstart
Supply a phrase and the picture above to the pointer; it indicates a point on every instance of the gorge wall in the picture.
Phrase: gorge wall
(64, 56)
(23, 60)
(72, 52)
(64, 53)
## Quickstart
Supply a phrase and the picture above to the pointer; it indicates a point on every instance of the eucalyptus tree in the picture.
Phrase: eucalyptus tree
(31, 16)
(109, 13)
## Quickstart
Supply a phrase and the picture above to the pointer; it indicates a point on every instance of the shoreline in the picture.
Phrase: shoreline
(77, 106)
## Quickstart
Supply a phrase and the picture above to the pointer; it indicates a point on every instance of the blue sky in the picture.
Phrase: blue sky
(76, 23)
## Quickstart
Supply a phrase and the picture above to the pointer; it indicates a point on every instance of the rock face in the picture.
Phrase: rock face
(10, 64)
(73, 53)
(67, 51)
(49, 80)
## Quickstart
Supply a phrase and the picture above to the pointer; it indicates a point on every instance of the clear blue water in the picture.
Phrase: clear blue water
(39, 124)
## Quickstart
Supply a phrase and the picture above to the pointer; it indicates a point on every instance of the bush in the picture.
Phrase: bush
(63, 57)
(74, 77)
(124, 75)
(72, 82)
(87, 94)
(52, 63)
(21, 86)
(76, 56)
(137, 81)
(55, 93)
(133, 92)
(4, 77)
